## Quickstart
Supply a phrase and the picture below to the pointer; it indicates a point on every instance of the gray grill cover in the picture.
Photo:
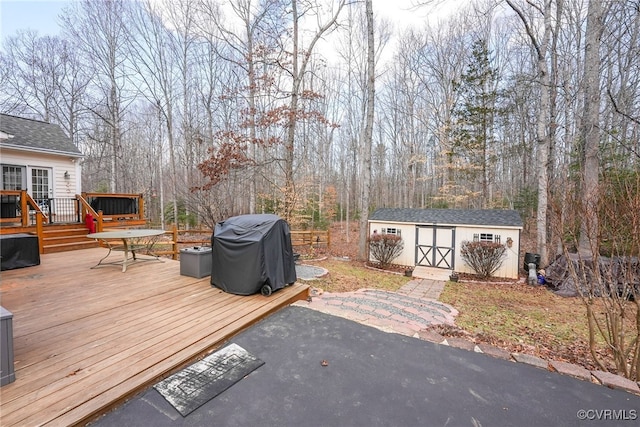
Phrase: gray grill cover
(250, 251)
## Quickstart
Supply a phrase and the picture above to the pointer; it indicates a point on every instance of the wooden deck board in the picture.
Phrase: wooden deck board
(86, 339)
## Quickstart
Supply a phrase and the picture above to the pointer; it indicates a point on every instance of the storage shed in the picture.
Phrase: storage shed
(433, 237)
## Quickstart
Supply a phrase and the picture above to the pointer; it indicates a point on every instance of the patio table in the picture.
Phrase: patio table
(129, 244)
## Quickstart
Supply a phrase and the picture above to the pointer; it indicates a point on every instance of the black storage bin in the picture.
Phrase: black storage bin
(531, 258)
(18, 250)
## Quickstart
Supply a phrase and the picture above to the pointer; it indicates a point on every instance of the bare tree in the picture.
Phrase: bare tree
(300, 59)
(441, 63)
(541, 45)
(367, 136)
(608, 280)
(43, 78)
(154, 52)
(244, 50)
(590, 132)
(100, 33)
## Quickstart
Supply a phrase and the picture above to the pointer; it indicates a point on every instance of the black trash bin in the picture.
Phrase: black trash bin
(251, 254)
(531, 258)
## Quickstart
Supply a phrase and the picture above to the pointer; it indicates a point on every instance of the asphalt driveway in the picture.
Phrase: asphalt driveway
(373, 378)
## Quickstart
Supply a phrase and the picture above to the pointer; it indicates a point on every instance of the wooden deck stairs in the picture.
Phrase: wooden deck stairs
(60, 227)
(66, 237)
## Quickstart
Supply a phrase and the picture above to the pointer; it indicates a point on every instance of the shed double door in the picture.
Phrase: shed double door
(435, 246)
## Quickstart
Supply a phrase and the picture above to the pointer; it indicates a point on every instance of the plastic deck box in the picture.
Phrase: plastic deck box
(195, 262)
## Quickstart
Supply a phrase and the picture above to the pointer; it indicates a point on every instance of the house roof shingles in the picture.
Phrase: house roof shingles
(35, 135)
(474, 217)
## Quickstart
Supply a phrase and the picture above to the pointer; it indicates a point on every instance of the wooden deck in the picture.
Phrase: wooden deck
(86, 339)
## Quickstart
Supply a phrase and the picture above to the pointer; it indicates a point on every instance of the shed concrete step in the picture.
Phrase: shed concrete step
(431, 273)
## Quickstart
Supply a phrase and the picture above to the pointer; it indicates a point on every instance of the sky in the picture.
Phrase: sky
(42, 15)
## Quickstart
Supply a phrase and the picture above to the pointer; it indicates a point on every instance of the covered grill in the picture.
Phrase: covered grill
(251, 254)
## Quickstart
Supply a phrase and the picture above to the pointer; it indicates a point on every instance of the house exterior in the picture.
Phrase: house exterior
(38, 157)
(433, 237)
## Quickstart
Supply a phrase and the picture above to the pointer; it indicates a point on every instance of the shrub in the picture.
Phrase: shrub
(483, 257)
(385, 247)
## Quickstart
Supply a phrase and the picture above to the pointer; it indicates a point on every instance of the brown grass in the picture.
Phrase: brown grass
(515, 316)
(348, 276)
(522, 318)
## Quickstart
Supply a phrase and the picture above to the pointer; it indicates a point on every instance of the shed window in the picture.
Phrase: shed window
(486, 237)
(395, 231)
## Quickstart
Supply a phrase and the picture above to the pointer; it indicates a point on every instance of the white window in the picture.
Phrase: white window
(13, 177)
(486, 237)
(395, 231)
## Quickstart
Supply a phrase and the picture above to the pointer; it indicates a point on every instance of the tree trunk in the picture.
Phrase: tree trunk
(368, 134)
(542, 132)
(115, 139)
(289, 145)
(542, 138)
(298, 69)
(588, 242)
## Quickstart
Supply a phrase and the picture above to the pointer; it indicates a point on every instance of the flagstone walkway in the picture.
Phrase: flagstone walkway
(411, 309)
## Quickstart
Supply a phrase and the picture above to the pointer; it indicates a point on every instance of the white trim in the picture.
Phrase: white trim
(42, 151)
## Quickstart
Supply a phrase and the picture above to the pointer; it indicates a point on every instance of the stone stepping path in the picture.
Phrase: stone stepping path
(388, 311)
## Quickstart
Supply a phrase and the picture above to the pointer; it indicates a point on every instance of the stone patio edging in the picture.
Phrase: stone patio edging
(606, 379)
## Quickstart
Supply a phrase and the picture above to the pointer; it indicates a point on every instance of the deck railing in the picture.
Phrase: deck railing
(313, 238)
(105, 210)
(18, 207)
(180, 239)
(116, 206)
(59, 210)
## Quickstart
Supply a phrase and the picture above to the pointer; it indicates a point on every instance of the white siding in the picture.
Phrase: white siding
(509, 268)
(408, 233)
(61, 186)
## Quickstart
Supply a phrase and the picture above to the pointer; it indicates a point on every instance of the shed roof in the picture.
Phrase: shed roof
(35, 135)
(474, 217)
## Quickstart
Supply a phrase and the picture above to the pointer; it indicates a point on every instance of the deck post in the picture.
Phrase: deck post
(40, 232)
(174, 246)
(140, 206)
(24, 209)
(99, 222)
